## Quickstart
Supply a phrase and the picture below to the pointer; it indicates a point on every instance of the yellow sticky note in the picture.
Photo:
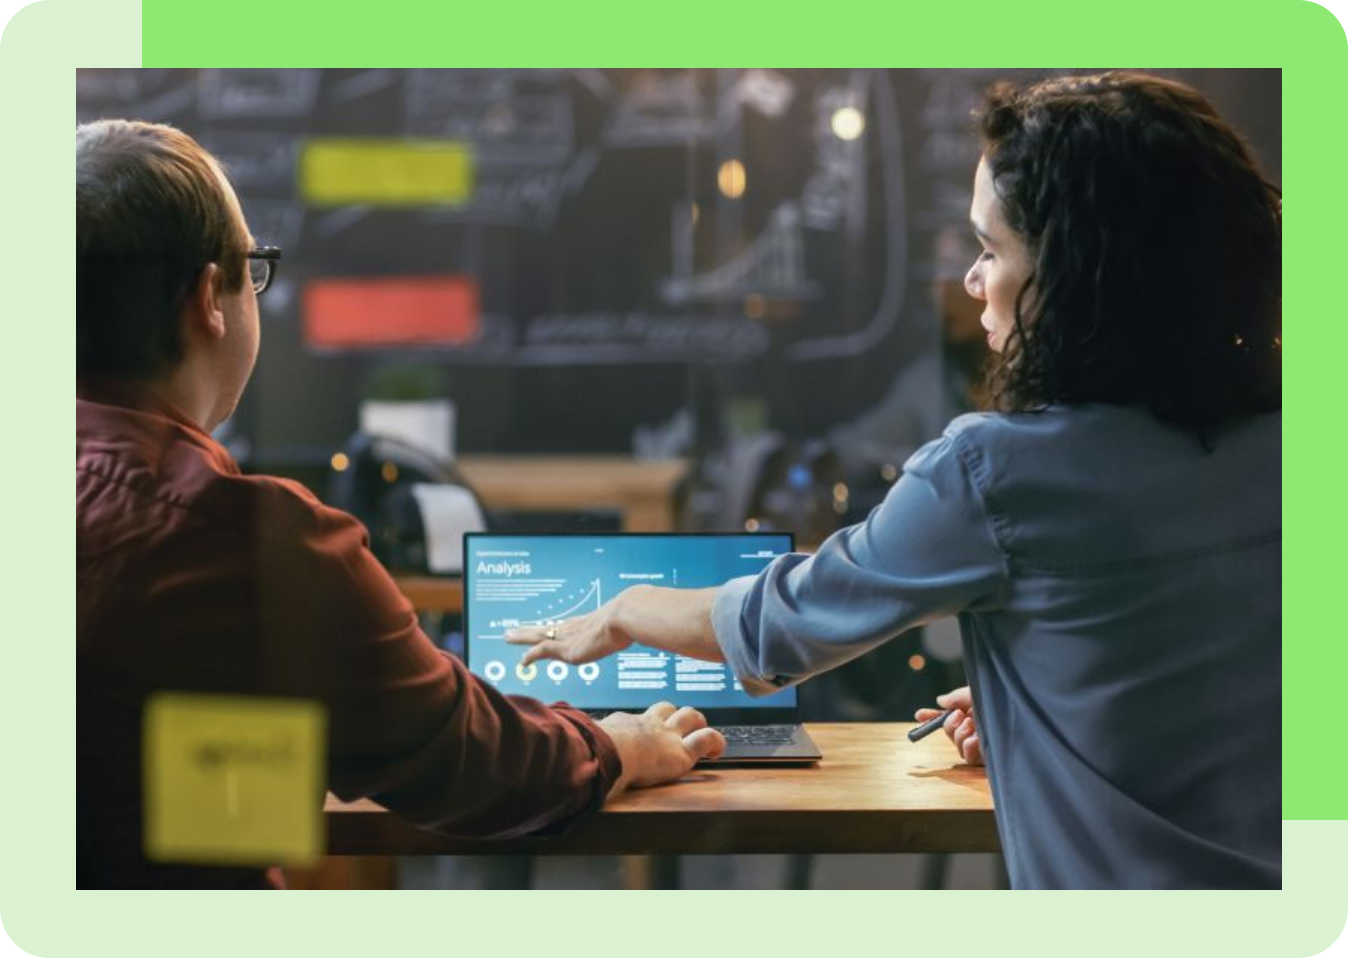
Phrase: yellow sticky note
(233, 780)
(386, 172)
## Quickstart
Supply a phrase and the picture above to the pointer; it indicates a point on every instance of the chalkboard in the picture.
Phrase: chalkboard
(629, 236)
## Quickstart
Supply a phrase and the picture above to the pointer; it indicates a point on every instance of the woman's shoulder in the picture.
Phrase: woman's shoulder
(1074, 487)
(1102, 420)
(1047, 421)
(994, 436)
(1061, 439)
(1080, 428)
(1104, 440)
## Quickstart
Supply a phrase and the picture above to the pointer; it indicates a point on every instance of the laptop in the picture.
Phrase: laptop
(512, 580)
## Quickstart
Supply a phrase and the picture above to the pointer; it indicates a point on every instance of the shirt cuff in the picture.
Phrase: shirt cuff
(609, 769)
(740, 651)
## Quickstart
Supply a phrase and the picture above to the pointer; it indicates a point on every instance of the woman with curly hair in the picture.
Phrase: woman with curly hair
(1109, 534)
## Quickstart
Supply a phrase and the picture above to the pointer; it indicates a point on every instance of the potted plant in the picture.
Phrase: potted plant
(408, 401)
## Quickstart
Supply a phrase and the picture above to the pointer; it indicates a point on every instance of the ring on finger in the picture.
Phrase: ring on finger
(550, 633)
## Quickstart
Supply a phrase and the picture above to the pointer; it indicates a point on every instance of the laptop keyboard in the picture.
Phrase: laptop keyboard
(758, 734)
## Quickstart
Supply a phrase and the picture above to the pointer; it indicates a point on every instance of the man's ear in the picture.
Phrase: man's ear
(203, 309)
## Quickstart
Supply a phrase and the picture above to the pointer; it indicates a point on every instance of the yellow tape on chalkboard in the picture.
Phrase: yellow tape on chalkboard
(386, 172)
(233, 780)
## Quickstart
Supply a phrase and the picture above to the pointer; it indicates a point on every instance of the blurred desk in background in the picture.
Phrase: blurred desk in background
(643, 491)
(429, 593)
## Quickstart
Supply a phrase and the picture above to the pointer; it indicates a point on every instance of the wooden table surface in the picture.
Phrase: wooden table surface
(873, 792)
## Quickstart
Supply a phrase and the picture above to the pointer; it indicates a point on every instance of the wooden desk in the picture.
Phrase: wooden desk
(874, 792)
(642, 490)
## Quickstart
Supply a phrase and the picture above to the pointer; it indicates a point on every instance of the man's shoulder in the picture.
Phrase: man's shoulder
(146, 464)
(272, 510)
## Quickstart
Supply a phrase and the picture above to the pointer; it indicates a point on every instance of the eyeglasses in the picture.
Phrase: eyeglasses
(262, 267)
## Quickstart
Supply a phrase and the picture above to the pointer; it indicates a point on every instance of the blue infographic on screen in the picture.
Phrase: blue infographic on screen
(540, 580)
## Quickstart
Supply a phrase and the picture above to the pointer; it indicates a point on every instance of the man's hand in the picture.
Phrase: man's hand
(960, 727)
(660, 745)
(582, 639)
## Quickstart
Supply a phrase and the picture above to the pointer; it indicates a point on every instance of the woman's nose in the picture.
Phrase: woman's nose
(973, 282)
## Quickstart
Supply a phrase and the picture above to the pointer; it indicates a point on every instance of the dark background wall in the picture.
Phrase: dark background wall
(604, 306)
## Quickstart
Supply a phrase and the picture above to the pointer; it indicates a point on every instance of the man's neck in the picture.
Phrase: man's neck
(189, 391)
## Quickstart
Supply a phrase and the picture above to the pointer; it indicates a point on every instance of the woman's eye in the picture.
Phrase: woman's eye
(984, 256)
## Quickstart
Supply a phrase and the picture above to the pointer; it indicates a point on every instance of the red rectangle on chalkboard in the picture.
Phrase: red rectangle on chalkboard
(395, 311)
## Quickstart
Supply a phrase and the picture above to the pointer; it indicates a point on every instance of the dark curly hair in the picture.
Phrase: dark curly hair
(1156, 245)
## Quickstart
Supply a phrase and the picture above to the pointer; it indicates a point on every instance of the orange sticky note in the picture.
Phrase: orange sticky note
(391, 311)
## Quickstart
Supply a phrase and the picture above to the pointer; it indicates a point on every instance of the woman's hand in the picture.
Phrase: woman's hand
(960, 727)
(673, 620)
(582, 639)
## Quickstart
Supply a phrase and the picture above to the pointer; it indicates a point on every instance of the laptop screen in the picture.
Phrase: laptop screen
(539, 579)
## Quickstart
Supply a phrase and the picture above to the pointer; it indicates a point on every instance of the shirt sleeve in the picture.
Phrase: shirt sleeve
(929, 550)
(408, 725)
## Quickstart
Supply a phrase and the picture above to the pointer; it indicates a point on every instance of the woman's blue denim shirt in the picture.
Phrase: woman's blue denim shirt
(1119, 592)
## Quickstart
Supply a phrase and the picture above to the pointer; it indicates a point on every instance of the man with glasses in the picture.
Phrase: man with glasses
(193, 577)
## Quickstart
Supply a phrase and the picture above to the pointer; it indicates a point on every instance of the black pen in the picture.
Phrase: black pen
(929, 726)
